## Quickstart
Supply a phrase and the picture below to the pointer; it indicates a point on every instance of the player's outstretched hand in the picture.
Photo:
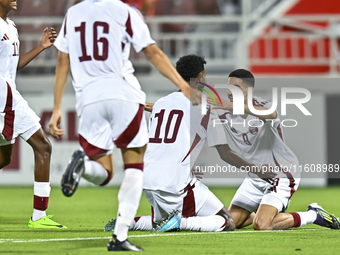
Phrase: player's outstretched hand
(226, 105)
(266, 172)
(48, 37)
(197, 173)
(54, 124)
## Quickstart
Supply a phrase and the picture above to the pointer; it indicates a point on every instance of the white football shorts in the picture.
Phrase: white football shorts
(105, 123)
(21, 121)
(255, 191)
(196, 200)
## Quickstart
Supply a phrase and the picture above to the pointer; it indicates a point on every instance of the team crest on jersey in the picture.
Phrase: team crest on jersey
(253, 130)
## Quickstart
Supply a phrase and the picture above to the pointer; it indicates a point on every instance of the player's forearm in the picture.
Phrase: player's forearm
(29, 56)
(260, 108)
(164, 66)
(61, 75)
(234, 159)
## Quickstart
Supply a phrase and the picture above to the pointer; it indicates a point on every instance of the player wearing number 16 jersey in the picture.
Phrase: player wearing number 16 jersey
(94, 43)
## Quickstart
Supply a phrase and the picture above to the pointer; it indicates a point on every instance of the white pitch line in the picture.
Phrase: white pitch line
(154, 235)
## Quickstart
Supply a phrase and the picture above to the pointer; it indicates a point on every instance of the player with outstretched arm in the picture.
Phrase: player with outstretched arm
(18, 119)
(94, 43)
(177, 134)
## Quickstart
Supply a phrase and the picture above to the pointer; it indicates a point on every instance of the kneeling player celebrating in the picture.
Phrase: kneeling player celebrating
(259, 143)
(169, 183)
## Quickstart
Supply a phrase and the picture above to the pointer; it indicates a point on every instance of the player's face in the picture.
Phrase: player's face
(8, 4)
(237, 82)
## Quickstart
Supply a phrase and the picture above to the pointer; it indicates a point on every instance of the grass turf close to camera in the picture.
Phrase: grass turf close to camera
(86, 213)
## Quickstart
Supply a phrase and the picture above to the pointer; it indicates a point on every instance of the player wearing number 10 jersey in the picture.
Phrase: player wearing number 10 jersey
(94, 43)
(176, 136)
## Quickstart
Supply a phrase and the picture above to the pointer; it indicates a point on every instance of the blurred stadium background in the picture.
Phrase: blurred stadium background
(285, 43)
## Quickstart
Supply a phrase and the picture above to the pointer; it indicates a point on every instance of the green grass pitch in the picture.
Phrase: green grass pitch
(86, 213)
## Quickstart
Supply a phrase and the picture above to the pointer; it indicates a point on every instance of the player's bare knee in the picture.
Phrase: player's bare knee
(43, 148)
(261, 225)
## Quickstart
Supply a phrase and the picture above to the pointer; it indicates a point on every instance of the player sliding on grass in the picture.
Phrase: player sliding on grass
(263, 142)
(176, 137)
(18, 119)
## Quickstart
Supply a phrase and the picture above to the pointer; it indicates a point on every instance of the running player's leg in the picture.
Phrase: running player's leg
(129, 132)
(6, 124)
(42, 153)
(94, 162)
(26, 124)
(42, 149)
(95, 137)
(5, 154)
(130, 190)
(99, 170)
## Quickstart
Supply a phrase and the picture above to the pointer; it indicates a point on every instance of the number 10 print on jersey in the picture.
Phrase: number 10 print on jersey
(174, 128)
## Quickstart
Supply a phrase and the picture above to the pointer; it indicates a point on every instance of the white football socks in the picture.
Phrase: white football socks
(307, 217)
(207, 223)
(129, 195)
(95, 172)
(41, 193)
(142, 223)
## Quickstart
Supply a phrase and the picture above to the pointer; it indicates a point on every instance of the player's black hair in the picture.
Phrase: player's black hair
(244, 75)
(190, 66)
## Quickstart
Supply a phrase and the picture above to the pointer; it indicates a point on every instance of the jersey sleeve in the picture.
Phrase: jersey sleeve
(137, 31)
(61, 42)
(268, 104)
(215, 131)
